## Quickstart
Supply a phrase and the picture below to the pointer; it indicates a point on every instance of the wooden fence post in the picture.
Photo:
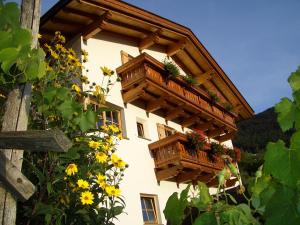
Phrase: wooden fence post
(16, 112)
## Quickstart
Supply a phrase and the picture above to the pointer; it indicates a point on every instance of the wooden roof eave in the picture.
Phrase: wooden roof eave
(159, 23)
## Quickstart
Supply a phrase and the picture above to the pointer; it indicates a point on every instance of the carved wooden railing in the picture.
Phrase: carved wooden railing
(145, 68)
(172, 151)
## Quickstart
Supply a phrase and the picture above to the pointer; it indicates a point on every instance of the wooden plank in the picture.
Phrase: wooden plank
(174, 113)
(36, 140)
(205, 126)
(188, 176)
(17, 110)
(216, 132)
(14, 180)
(204, 77)
(167, 173)
(134, 93)
(156, 104)
(150, 40)
(96, 26)
(191, 120)
(80, 13)
(174, 48)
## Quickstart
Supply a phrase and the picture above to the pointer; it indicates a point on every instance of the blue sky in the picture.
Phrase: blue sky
(256, 42)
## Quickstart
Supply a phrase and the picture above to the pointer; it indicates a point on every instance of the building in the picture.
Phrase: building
(149, 107)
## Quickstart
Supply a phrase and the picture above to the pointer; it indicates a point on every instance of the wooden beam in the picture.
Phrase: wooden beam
(96, 26)
(81, 13)
(66, 22)
(150, 40)
(155, 104)
(134, 93)
(191, 120)
(216, 132)
(174, 48)
(14, 181)
(167, 173)
(187, 176)
(174, 113)
(35, 140)
(225, 137)
(205, 126)
(204, 77)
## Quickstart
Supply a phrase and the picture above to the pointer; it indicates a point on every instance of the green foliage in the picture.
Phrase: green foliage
(189, 79)
(275, 188)
(171, 69)
(195, 142)
(214, 97)
(228, 106)
(19, 62)
(216, 150)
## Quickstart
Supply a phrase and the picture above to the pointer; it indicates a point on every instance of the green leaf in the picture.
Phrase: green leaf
(295, 141)
(294, 80)
(281, 208)
(67, 108)
(174, 210)
(21, 37)
(87, 120)
(5, 40)
(286, 114)
(207, 218)
(282, 163)
(8, 58)
(204, 199)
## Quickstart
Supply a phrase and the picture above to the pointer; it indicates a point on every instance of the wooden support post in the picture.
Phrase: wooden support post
(35, 140)
(173, 49)
(16, 112)
(155, 104)
(174, 113)
(167, 173)
(188, 176)
(96, 26)
(205, 126)
(134, 93)
(190, 121)
(150, 40)
(14, 180)
(216, 132)
(204, 77)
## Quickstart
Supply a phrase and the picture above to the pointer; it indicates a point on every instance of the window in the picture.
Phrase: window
(112, 116)
(164, 131)
(140, 129)
(149, 204)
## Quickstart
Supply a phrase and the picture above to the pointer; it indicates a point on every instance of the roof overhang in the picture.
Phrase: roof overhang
(88, 17)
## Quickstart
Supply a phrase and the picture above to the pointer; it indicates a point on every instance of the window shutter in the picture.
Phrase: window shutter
(161, 131)
(125, 57)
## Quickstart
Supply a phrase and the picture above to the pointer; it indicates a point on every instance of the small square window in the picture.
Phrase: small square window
(149, 209)
(140, 129)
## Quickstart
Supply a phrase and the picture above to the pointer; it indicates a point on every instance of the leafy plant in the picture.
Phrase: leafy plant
(171, 69)
(82, 185)
(274, 190)
(214, 97)
(189, 79)
(216, 150)
(195, 142)
(228, 106)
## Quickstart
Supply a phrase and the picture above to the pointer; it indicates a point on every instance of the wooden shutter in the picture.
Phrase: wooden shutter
(161, 131)
(125, 57)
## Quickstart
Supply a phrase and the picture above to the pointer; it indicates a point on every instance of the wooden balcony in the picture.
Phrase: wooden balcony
(173, 162)
(145, 84)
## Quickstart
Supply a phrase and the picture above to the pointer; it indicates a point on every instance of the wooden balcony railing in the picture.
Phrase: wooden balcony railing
(144, 78)
(174, 162)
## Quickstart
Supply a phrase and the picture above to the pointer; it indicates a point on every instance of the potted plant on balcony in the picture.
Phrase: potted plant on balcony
(171, 69)
(216, 150)
(228, 107)
(214, 97)
(195, 141)
(190, 80)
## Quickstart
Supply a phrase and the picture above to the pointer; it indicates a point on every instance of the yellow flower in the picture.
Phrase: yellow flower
(114, 158)
(103, 185)
(71, 169)
(100, 178)
(94, 144)
(87, 198)
(106, 71)
(53, 54)
(39, 36)
(101, 157)
(112, 191)
(121, 164)
(113, 128)
(76, 88)
(83, 184)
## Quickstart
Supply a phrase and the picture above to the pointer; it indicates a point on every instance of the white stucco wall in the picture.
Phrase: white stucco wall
(104, 50)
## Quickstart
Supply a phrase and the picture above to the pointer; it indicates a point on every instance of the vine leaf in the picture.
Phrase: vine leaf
(294, 80)
(174, 211)
(8, 57)
(87, 120)
(282, 163)
(286, 113)
(206, 218)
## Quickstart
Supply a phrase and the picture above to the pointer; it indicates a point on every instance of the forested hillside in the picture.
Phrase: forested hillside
(254, 134)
